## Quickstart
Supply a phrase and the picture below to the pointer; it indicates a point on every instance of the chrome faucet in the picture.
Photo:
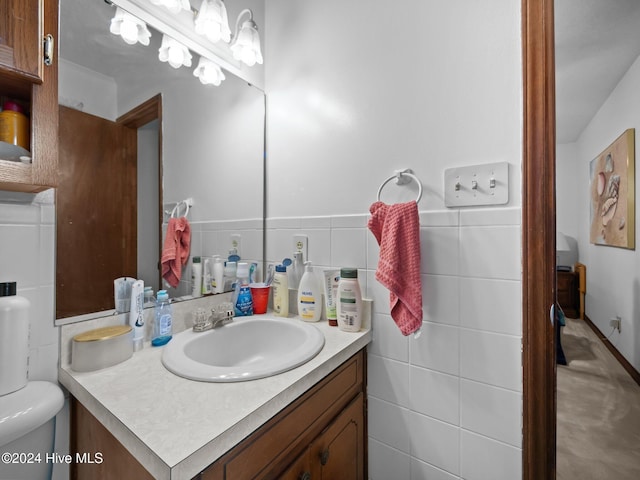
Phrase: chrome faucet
(220, 315)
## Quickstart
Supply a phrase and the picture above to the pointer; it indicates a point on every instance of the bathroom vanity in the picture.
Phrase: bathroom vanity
(308, 422)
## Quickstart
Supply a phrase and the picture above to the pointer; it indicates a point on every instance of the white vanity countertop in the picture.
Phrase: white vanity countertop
(176, 427)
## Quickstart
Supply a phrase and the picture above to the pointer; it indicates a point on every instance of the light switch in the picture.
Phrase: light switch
(485, 184)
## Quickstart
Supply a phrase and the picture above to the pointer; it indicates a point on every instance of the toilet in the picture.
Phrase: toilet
(27, 431)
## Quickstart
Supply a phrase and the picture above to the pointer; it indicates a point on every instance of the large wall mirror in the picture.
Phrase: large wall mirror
(136, 137)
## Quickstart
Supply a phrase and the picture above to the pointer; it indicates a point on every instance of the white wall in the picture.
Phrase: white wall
(613, 282)
(568, 181)
(355, 90)
(87, 91)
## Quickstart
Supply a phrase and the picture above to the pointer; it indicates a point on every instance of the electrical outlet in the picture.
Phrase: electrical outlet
(236, 242)
(616, 323)
(301, 243)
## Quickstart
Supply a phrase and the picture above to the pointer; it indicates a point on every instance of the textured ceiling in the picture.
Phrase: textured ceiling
(596, 43)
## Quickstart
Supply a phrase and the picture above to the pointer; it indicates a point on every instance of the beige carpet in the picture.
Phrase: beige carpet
(598, 422)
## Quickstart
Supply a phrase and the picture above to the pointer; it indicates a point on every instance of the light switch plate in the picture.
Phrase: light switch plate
(485, 184)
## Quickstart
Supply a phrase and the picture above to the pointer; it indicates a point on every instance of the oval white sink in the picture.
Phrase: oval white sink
(244, 349)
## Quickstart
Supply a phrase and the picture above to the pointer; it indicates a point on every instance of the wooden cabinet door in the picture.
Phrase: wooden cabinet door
(23, 77)
(21, 31)
(300, 469)
(339, 451)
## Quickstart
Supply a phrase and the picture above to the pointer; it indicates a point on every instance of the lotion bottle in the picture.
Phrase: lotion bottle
(309, 296)
(349, 301)
(280, 288)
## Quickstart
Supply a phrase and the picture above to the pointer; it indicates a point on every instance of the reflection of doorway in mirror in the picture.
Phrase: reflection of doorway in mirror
(97, 205)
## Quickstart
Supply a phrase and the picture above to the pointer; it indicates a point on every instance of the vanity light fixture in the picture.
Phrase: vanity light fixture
(246, 40)
(208, 72)
(174, 52)
(174, 6)
(212, 21)
(131, 29)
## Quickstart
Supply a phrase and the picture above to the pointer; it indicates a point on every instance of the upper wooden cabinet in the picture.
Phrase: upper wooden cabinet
(26, 79)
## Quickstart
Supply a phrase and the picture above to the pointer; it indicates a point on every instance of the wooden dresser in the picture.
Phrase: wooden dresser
(568, 295)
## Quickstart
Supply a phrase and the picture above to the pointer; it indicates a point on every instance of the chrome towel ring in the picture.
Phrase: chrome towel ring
(403, 177)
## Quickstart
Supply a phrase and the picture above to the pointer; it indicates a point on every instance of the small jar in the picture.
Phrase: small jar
(349, 301)
(14, 125)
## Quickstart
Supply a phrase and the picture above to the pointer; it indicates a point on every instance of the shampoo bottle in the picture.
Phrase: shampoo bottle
(162, 326)
(281, 292)
(196, 277)
(309, 296)
(349, 301)
(217, 280)
(230, 269)
(206, 276)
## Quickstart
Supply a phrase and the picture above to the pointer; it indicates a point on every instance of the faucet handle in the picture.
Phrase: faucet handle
(201, 321)
(223, 310)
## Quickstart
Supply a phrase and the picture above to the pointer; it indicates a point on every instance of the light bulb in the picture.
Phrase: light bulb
(246, 45)
(174, 53)
(208, 72)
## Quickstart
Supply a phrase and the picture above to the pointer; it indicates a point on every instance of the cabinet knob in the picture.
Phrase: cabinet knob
(305, 476)
(324, 457)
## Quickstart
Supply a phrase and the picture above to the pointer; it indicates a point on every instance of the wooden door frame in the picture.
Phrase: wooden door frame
(538, 241)
(135, 118)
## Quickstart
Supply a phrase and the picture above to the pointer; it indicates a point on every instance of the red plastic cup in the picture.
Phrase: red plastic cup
(260, 296)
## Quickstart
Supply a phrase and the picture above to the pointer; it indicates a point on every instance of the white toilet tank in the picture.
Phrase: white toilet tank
(27, 428)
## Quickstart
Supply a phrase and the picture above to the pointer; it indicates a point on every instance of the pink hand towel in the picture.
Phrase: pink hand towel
(175, 252)
(397, 230)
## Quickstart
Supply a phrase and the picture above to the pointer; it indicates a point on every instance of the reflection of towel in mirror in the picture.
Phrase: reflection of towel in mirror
(176, 250)
(397, 230)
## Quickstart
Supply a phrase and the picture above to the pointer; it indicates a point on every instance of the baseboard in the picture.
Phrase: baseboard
(614, 351)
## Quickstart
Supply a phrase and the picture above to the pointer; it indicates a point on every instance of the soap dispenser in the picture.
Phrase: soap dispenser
(309, 296)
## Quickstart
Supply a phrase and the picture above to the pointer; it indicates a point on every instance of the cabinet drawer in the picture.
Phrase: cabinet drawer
(270, 449)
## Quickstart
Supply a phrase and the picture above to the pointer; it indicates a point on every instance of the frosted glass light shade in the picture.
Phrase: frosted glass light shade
(131, 29)
(174, 53)
(212, 21)
(246, 44)
(174, 6)
(208, 72)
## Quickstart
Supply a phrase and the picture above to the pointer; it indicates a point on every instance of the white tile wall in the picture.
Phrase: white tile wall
(27, 253)
(448, 404)
(214, 238)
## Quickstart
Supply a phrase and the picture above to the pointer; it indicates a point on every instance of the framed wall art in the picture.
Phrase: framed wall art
(612, 192)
